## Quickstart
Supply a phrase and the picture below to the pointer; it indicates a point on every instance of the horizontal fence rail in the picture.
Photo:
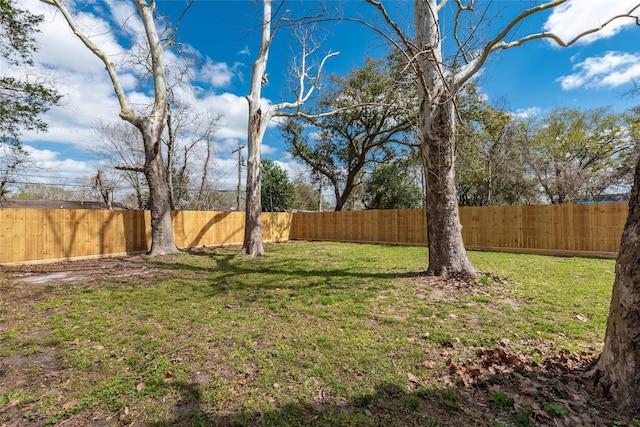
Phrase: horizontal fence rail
(41, 235)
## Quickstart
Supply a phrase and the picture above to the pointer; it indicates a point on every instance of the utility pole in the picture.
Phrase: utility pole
(239, 150)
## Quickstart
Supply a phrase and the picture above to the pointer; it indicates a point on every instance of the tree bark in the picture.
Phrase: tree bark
(154, 170)
(437, 118)
(257, 126)
(447, 254)
(252, 244)
(617, 372)
(151, 128)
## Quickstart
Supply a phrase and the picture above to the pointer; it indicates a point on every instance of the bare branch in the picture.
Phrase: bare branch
(130, 168)
(441, 5)
(172, 38)
(125, 112)
(155, 49)
(498, 42)
(302, 96)
(409, 45)
(456, 22)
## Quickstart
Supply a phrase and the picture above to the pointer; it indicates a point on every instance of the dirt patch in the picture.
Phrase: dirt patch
(83, 271)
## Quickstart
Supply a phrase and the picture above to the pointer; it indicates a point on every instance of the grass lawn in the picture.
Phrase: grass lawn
(314, 333)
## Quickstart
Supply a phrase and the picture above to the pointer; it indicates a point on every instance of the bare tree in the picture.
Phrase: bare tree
(188, 139)
(189, 136)
(259, 120)
(150, 124)
(105, 188)
(122, 150)
(440, 78)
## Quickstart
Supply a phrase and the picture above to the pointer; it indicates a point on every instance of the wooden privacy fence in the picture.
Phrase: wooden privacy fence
(39, 235)
(589, 229)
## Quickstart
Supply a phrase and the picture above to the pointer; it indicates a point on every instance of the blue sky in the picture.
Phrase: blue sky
(530, 79)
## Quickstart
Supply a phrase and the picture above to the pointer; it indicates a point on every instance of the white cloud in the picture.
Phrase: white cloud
(217, 74)
(245, 52)
(612, 69)
(46, 167)
(576, 16)
(527, 112)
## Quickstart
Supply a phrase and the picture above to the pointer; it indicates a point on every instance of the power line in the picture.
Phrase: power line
(52, 184)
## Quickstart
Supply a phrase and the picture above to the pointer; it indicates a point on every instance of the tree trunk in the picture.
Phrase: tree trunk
(617, 372)
(161, 226)
(252, 244)
(437, 118)
(447, 254)
(257, 126)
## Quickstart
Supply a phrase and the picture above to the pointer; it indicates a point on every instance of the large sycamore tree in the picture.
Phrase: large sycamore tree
(150, 124)
(617, 371)
(259, 119)
(445, 58)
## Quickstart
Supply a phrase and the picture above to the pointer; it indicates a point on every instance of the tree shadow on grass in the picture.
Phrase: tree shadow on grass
(389, 405)
(559, 397)
(230, 274)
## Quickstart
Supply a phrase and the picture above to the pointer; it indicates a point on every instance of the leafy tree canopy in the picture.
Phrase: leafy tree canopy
(391, 186)
(491, 168)
(278, 193)
(577, 154)
(373, 123)
(22, 99)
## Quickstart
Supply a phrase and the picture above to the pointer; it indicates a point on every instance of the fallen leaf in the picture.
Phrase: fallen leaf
(168, 378)
(502, 354)
(75, 342)
(413, 378)
(71, 404)
(453, 368)
(528, 391)
(474, 371)
(428, 364)
(99, 347)
(140, 386)
(581, 318)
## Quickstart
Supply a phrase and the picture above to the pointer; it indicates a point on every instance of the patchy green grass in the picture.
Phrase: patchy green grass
(310, 334)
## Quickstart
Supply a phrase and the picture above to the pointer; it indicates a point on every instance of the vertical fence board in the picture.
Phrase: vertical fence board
(7, 224)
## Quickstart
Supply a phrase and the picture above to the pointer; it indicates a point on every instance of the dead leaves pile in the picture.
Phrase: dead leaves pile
(555, 391)
(493, 361)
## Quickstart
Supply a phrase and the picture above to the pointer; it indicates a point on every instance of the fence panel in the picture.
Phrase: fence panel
(38, 235)
(590, 229)
(41, 235)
